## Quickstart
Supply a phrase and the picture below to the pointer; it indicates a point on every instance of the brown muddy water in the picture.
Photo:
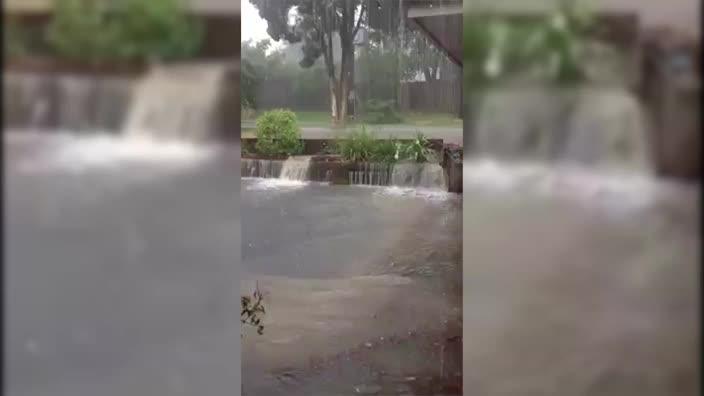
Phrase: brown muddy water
(362, 286)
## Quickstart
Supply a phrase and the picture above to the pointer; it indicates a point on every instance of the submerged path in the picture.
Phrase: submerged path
(362, 287)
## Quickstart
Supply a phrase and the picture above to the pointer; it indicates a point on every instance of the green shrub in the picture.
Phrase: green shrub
(79, 29)
(159, 29)
(362, 146)
(358, 146)
(418, 150)
(131, 29)
(386, 151)
(278, 133)
(380, 112)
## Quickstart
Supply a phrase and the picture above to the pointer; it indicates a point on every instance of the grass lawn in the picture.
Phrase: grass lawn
(321, 118)
(306, 118)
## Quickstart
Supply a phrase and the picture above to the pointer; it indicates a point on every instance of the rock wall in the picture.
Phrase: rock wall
(66, 102)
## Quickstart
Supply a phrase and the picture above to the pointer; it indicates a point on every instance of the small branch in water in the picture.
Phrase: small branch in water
(252, 309)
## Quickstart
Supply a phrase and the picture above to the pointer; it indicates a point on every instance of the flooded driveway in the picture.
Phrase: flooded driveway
(362, 288)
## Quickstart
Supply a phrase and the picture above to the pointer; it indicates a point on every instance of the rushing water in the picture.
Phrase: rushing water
(302, 168)
(588, 273)
(597, 127)
(120, 266)
(296, 168)
(65, 102)
(177, 101)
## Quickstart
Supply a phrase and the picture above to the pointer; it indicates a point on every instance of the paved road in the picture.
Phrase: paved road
(448, 134)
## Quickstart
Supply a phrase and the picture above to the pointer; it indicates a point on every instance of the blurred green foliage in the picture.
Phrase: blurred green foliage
(550, 47)
(15, 41)
(134, 30)
(361, 145)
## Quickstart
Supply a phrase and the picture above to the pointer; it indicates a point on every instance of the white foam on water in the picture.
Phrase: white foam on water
(619, 191)
(260, 184)
(424, 193)
(70, 152)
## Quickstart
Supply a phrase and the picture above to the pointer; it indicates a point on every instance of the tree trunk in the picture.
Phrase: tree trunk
(344, 93)
(333, 101)
(350, 99)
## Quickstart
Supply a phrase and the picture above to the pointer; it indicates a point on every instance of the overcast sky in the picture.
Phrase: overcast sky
(254, 27)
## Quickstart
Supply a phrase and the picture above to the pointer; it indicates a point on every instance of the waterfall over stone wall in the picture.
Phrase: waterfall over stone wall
(66, 102)
(190, 101)
(595, 127)
(177, 102)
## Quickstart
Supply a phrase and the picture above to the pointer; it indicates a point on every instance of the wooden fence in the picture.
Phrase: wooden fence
(441, 96)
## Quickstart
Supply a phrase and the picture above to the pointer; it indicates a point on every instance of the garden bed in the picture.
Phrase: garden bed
(321, 146)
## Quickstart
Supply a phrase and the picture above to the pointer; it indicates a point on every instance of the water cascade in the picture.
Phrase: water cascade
(177, 102)
(428, 175)
(264, 168)
(406, 174)
(296, 168)
(593, 127)
(371, 174)
(65, 102)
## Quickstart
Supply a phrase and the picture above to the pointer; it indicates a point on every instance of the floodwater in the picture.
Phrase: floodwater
(121, 278)
(121, 267)
(574, 282)
(362, 287)
(579, 283)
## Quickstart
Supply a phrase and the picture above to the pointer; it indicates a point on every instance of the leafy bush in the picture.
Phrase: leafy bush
(79, 29)
(418, 150)
(380, 112)
(358, 146)
(362, 146)
(160, 29)
(132, 30)
(386, 151)
(278, 133)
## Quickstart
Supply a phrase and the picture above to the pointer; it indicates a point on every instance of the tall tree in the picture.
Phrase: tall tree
(315, 23)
